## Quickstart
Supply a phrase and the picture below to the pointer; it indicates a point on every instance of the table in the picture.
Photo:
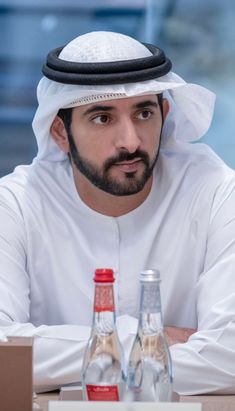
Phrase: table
(43, 399)
(209, 402)
(212, 402)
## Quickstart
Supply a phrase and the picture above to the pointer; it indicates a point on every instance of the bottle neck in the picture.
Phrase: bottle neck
(104, 309)
(150, 318)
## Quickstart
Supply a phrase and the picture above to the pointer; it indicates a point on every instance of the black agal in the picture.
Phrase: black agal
(114, 72)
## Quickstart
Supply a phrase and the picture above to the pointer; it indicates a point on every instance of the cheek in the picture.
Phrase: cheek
(152, 140)
(94, 149)
(83, 142)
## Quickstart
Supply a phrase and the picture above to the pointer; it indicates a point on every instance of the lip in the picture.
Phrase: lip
(129, 166)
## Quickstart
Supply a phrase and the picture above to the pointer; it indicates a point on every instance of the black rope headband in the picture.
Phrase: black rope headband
(115, 72)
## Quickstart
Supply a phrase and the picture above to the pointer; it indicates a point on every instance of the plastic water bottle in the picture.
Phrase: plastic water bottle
(103, 372)
(149, 374)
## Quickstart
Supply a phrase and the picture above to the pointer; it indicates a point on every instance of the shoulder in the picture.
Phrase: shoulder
(193, 176)
(12, 225)
(23, 186)
(197, 163)
(13, 186)
(28, 188)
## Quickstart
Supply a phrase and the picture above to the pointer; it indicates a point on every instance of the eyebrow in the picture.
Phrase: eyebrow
(147, 103)
(99, 107)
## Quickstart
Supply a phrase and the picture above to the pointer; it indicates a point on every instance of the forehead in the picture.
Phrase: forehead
(116, 104)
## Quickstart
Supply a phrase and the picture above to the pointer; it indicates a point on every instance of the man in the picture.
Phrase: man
(116, 183)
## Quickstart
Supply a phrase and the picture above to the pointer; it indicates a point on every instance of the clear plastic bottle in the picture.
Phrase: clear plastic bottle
(103, 372)
(149, 374)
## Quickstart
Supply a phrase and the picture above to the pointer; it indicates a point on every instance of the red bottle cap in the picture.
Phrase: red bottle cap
(104, 275)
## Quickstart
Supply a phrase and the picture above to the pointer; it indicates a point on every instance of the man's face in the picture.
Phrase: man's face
(115, 144)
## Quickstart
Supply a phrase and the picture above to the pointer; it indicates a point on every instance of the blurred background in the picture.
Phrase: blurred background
(198, 35)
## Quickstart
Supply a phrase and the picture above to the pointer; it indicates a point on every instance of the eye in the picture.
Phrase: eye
(101, 119)
(144, 115)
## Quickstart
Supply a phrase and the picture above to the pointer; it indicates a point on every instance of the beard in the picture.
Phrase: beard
(103, 179)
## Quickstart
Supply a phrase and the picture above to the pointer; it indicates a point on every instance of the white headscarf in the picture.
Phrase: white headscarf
(191, 106)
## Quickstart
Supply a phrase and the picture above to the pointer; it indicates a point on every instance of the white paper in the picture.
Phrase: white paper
(71, 393)
(121, 406)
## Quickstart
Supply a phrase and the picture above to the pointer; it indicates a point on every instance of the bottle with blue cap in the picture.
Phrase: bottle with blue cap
(149, 374)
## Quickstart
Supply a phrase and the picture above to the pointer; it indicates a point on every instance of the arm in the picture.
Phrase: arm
(175, 335)
(203, 359)
(205, 363)
(58, 350)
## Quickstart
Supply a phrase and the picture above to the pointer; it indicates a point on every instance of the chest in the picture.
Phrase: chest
(65, 249)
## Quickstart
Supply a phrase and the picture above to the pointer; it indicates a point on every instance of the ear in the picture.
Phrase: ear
(165, 107)
(59, 134)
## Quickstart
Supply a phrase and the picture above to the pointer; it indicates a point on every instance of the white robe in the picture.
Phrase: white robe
(51, 243)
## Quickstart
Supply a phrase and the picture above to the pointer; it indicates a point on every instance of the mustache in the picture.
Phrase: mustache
(125, 156)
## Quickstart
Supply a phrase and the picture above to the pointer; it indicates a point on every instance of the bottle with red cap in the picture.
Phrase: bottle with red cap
(103, 371)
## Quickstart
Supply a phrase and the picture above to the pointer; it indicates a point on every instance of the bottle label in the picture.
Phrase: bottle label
(102, 392)
(104, 299)
(151, 298)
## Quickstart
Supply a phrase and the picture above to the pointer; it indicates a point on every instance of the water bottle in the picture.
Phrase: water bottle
(103, 373)
(149, 373)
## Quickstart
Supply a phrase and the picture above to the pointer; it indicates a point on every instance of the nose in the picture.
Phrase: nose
(127, 137)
